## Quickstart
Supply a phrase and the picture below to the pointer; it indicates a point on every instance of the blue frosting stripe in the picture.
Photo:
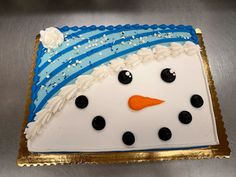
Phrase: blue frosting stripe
(39, 53)
(86, 29)
(76, 34)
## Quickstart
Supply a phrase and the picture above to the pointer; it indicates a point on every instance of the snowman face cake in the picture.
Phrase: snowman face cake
(153, 97)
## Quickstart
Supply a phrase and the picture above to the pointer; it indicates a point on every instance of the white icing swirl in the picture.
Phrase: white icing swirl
(83, 82)
(30, 130)
(55, 104)
(44, 113)
(145, 54)
(101, 72)
(190, 48)
(161, 52)
(176, 49)
(68, 91)
(132, 61)
(117, 64)
(42, 117)
(51, 37)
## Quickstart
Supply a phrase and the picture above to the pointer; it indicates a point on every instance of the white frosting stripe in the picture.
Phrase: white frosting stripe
(83, 82)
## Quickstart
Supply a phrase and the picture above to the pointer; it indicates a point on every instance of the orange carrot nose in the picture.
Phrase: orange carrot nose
(137, 102)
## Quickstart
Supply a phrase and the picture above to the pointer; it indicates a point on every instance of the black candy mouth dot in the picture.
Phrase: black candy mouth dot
(98, 123)
(128, 138)
(185, 117)
(165, 134)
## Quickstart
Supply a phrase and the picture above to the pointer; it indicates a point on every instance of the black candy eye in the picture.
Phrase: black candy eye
(81, 102)
(185, 117)
(125, 77)
(196, 101)
(98, 123)
(168, 75)
(164, 134)
(128, 138)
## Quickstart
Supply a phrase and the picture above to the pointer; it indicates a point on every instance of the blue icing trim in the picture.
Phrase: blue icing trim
(72, 33)
(64, 29)
(147, 150)
(77, 34)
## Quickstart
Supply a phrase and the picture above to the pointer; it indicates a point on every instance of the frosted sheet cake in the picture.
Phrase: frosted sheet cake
(119, 88)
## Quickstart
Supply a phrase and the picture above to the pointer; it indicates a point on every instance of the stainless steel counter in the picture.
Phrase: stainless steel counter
(20, 21)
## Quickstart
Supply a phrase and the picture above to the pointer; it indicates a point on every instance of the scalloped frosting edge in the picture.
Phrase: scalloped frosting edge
(83, 82)
(126, 26)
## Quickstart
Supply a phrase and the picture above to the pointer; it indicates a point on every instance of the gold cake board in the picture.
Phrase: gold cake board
(26, 158)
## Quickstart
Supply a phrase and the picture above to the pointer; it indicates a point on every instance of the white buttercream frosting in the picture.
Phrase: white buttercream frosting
(161, 52)
(132, 61)
(117, 64)
(176, 49)
(190, 48)
(51, 37)
(83, 82)
(99, 73)
(43, 116)
(68, 91)
(56, 103)
(145, 54)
